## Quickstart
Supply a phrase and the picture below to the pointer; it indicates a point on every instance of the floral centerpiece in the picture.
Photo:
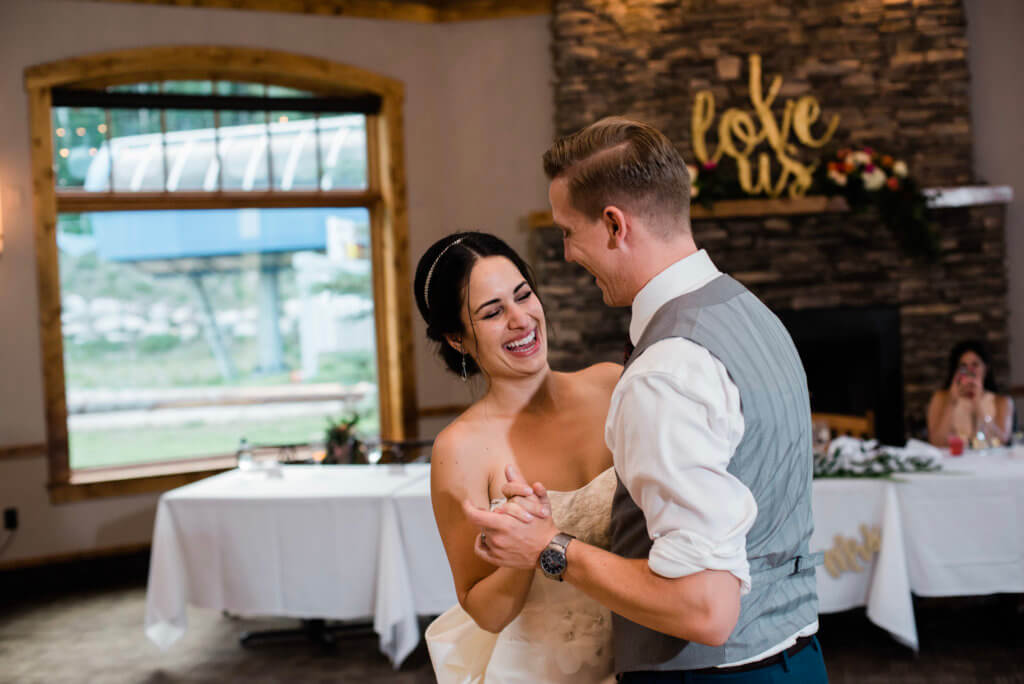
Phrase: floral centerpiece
(341, 441)
(866, 178)
(851, 457)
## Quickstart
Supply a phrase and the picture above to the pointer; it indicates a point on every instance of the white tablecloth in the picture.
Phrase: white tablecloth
(433, 588)
(317, 542)
(346, 542)
(956, 532)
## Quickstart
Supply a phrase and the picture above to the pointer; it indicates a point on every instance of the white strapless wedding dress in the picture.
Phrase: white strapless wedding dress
(561, 635)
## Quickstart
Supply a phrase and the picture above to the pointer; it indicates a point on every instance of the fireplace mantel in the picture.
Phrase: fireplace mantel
(938, 198)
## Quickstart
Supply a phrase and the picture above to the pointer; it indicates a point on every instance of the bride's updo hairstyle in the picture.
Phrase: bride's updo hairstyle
(440, 287)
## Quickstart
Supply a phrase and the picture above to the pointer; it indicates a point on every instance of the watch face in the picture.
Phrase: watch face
(552, 562)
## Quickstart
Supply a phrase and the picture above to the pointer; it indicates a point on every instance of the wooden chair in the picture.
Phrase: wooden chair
(1017, 394)
(862, 427)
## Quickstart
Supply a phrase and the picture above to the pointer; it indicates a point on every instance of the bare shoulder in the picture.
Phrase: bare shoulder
(601, 376)
(461, 457)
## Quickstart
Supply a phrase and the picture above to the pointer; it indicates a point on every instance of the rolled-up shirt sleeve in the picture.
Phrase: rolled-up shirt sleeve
(673, 425)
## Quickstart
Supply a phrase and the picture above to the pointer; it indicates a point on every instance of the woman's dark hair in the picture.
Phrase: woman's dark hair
(440, 287)
(979, 348)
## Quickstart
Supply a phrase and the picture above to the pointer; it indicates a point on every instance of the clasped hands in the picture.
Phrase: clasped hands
(514, 533)
(968, 388)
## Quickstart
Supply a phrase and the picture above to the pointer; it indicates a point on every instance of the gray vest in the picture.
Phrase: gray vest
(773, 460)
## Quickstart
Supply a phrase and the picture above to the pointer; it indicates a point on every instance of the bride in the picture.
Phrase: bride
(480, 304)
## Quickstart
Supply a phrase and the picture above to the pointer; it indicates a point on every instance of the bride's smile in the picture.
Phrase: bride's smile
(524, 346)
(504, 320)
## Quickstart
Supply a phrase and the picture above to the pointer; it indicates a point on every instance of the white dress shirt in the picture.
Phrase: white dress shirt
(673, 425)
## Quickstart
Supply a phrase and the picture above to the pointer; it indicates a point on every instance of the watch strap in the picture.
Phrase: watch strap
(561, 540)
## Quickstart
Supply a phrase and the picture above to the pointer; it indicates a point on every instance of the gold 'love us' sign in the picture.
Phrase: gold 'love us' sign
(739, 136)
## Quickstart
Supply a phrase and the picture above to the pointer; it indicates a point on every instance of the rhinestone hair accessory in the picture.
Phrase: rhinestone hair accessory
(430, 273)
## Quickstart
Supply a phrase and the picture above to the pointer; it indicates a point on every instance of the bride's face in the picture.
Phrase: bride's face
(503, 320)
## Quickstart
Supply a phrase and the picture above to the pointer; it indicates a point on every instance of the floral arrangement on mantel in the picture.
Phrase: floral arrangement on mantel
(864, 178)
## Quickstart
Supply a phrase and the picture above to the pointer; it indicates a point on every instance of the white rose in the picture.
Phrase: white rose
(874, 179)
(900, 169)
(837, 177)
(860, 158)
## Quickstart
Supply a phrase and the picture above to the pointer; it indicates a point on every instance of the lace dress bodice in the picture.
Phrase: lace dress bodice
(561, 635)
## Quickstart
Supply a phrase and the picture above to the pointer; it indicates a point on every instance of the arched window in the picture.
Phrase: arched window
(221, 245)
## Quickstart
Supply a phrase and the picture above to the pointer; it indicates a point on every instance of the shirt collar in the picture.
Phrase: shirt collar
(686, 275)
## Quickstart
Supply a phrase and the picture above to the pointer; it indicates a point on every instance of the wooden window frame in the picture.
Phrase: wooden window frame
(384, 198)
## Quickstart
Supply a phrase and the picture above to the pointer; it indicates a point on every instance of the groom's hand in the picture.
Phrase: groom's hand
(506, 541)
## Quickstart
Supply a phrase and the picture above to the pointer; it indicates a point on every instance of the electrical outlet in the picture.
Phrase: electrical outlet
(10, 518)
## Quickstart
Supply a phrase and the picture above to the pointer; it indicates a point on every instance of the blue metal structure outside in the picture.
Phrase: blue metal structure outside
(128, 236)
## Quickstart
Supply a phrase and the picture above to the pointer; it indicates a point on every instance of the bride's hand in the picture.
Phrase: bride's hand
(523, 501)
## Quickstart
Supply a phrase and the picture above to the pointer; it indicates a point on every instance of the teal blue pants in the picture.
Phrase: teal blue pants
(805, 667)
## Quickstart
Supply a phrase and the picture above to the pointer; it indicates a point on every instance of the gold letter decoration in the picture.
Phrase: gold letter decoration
(738, 136)
(845, 552)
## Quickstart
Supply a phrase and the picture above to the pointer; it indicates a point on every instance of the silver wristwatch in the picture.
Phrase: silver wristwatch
(552, 559)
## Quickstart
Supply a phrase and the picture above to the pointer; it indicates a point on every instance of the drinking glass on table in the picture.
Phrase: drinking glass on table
(244, 455)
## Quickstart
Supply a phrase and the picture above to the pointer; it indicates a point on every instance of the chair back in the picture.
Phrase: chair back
(861, 427)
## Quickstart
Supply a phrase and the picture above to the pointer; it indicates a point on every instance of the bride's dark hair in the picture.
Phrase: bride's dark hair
(440, 287)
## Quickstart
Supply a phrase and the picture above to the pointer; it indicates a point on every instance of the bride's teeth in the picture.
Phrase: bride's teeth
(523, 342)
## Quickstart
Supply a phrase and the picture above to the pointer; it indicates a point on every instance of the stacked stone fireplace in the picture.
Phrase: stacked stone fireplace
(896, 74)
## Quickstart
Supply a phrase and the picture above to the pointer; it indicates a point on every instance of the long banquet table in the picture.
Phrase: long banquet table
(955, 532)
(346, 542)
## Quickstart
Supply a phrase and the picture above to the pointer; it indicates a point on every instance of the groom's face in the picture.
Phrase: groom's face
(587, 243)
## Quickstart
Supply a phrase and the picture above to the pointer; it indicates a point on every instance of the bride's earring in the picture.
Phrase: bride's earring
(465, 375)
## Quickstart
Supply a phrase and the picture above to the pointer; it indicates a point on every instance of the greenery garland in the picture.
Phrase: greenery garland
(879, 461)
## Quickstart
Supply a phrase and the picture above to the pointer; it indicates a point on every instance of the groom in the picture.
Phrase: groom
(709, 573)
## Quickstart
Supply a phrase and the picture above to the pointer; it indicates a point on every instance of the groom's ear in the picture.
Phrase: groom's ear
(615, 224)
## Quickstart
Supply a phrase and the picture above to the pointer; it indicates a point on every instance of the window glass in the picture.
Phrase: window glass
(150, 149)
(136, 144)
(190, 146)
(343, 152)
(80, 157)
(294, 148)
(210, 326)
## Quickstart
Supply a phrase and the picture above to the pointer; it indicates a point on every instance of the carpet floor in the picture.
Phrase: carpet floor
(73, 624)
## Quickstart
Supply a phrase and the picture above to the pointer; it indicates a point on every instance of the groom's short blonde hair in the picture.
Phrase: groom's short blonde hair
(622, 162)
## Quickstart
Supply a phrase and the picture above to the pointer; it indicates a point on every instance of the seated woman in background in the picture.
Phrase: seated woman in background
(970, 404)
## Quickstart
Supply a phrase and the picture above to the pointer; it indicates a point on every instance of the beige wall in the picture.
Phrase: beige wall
(478, 115)
(995, 57)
